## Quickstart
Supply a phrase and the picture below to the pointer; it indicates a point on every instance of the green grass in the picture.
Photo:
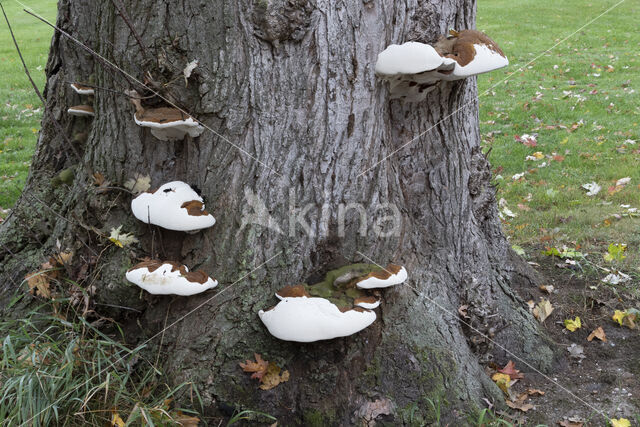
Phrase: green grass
(57, 369)
(572, 85)
(20, 109)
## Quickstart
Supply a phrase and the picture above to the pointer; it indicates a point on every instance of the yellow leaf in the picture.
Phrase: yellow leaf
(116, 242)
(573, 325)
(622, 422)
(618, 316)
(116, 421)
(503, 381)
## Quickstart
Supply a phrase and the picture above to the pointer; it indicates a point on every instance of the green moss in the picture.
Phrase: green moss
(315, 418)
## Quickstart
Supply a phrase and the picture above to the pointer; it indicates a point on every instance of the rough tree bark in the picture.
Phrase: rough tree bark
(291, 83)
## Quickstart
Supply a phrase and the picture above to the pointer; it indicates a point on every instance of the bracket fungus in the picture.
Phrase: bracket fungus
(174, 206)
(166, 124)
(81, 111)
(333, 308)
(413, 69)
(390, 276)
(167, 277)
(304, 319)
(81, 89)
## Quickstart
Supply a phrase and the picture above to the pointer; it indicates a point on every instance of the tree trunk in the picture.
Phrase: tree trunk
(291, 85)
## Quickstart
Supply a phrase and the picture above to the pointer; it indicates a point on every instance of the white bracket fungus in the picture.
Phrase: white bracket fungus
(174, 206)
(413, 69)
(164, 278)
(82, 89)
(81, 110)
(304, 319)
(390, 276)
(166, 124)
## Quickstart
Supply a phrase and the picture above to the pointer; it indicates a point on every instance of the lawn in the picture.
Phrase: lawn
(21, 109)
(580, 100)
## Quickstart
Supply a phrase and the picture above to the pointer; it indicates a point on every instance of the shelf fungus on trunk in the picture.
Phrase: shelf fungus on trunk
(81, 89)
(414, 69)
(168, 277)
(333, 308)
(166, 124)
(174, 206)
(390, 276)
(81, 111)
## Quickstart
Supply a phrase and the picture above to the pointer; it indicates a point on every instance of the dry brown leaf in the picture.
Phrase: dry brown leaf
(542, 310)
(534, 392)
(63, 258)
(39, 284)
(510, 369)
(521, 406)
(547, 288)
(259, 367)
(570, 423)
(597, 333)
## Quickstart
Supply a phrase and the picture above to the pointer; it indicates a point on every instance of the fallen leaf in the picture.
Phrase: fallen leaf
(139, 184)
(272, 377)
(592, 188)
(121, 239)
(597, 333)
(620, 422)
(116, 420)
(503, 381)
(267, 372)
(571, 422)
(573, 325)
(259, 367)
(39, 284)
(542, 310)
(510, 369)
(576, 352)
(524, 407)
(547, 288)
(535, 392)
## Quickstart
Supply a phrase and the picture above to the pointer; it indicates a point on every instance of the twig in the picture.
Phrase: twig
(123, 14)
(35, 88)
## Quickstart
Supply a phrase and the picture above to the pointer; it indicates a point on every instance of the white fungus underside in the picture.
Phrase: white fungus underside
(163, 208)
(82, 91)
(369, 306)
(374, 282)
(84, 113)
(303, 319)
(172, 131)
(407, 58)
(163, 281)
